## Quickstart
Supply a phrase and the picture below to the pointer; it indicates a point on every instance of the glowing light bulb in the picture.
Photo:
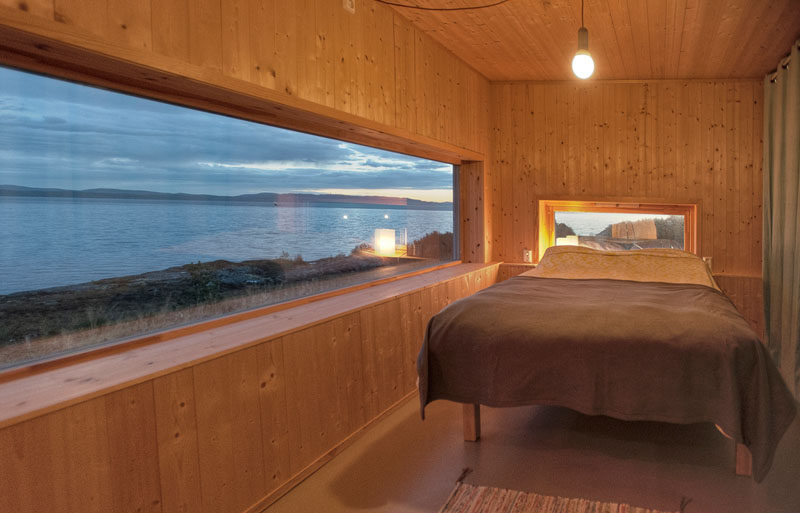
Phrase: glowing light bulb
(583, 64)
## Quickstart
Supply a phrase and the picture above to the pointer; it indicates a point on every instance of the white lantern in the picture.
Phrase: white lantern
(384, 242)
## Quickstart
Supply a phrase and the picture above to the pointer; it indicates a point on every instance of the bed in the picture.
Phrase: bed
(636, 335)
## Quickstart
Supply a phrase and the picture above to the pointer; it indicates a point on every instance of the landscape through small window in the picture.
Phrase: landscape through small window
(619, 231)
(612, 226)
(122, 216)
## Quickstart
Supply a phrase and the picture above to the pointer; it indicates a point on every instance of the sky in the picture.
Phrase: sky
(59, 134)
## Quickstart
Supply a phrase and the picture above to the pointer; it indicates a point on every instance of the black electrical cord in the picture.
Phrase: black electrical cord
(582, 13)
(420, 8)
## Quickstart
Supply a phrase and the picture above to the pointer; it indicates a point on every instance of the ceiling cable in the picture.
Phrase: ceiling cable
(421, 8)
(582, 25)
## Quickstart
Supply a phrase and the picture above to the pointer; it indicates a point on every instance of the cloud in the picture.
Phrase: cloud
(59, 134)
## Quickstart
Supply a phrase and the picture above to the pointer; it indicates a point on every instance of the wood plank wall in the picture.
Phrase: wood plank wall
(473, 189)
(223, 435)
(373, 64)
(747, 293)
(661, 141)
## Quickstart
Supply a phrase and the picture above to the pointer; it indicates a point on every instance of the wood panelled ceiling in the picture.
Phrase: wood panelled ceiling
(628, 39)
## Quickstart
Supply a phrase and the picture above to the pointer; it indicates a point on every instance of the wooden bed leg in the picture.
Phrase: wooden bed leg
(744, 461)
(472, 422)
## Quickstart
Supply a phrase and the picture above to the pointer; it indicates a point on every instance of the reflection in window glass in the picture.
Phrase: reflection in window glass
(123, 216)
(619, 231)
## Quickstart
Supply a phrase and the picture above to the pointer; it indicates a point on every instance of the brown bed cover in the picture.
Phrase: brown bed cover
(668, 352)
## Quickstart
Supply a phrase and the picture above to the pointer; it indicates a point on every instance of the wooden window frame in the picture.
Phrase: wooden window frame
(106, 66)
(548, 208)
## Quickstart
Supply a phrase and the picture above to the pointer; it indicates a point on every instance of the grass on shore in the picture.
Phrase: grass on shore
(31, 349)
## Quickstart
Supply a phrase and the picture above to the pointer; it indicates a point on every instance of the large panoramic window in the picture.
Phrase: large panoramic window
(616, 226)
(121, 216)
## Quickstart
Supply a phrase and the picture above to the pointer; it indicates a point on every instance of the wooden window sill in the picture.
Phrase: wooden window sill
(37, 393)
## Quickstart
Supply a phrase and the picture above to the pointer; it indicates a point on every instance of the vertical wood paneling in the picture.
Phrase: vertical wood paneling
(379, 68)
(129, 23)
(373, 64)
(687, 142)
(303, 367)
(347, 42)
(747, 294)
(350, 373)
(331, 403)
(324, 12)
(473, 213)
(224, 434)
(274, 422)
(205, 33)
(40, 8)
(755, 177)
(414, 313)
(404, 66)
(229, 431)
(176, 429)
(170, 23)
(58, 462)
(89, 15)
(27, 458)
(262, 43)
(133, 452)
(383, 362)
(78, 455)
(236, 33)
(287, 47)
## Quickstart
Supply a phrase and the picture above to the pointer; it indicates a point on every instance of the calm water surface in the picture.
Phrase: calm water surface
(47, 242)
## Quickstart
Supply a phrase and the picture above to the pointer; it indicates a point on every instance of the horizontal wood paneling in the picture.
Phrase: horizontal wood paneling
(224, 434)
(654, 39)
(372, 64)
(662, 142)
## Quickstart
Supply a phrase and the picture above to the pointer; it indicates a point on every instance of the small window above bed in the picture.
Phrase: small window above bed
(617, 226)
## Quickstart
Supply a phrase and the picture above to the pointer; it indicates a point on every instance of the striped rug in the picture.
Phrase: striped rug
(484, 499)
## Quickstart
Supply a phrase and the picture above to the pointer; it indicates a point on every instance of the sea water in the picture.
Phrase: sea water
(48, 242)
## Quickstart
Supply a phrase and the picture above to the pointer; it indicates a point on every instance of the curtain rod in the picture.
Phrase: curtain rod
(782, 64)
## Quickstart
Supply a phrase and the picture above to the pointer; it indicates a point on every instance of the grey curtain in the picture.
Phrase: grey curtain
(782, 217)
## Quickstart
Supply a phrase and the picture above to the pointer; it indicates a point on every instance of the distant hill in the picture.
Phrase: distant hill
(279, 199)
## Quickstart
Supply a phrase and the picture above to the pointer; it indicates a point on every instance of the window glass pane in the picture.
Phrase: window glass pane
(123, 216)
(619, 231)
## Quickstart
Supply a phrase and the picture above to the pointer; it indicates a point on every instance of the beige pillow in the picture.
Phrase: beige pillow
(658, 265)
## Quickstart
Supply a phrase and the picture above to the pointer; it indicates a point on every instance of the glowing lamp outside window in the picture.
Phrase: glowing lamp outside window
(384, 242)
(569, 240)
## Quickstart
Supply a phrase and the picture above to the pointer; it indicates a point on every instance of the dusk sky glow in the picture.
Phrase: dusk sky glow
(63, 135)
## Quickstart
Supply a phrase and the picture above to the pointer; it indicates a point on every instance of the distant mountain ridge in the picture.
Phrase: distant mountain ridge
(279, 199)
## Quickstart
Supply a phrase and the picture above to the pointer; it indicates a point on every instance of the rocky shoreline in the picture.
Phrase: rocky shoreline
(29, 315)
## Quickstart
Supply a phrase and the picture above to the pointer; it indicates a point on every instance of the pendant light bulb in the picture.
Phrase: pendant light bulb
(582, 63)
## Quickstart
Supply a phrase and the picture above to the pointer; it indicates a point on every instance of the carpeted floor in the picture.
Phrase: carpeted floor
(467, 498)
